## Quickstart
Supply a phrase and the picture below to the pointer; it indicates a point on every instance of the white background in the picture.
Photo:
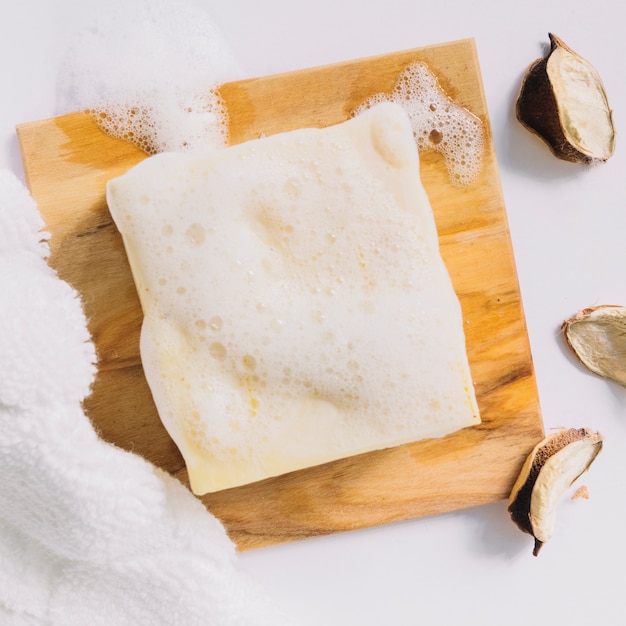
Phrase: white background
(568, 227)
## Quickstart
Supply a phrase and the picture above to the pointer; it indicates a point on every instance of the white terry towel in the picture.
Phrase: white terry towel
(89, 534)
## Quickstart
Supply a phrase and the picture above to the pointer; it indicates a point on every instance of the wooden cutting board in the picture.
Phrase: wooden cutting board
(68, 161)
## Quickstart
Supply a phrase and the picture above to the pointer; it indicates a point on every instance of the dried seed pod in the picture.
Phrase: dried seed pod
(597, 336)
(552, 466)
(563, 101)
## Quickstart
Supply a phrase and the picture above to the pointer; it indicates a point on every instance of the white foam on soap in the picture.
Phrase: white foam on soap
(149, 72)
(438, 123)
(297, 309)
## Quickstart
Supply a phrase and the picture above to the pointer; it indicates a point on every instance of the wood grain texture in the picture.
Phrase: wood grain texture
(68, 161)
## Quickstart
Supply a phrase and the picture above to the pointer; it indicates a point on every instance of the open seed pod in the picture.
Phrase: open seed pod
(552, 466)
(563, 101)
(597, 336)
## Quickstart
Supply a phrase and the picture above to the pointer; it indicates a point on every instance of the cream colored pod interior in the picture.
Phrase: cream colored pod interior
(296, 307)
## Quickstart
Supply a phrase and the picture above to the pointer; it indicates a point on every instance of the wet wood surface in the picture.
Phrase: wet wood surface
(68, 161)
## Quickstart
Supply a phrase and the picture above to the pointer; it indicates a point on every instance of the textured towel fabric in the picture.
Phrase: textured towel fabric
(89, 533)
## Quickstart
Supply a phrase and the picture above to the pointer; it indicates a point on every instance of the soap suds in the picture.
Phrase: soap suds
(438, 123)
(149, 72)
(330, 320)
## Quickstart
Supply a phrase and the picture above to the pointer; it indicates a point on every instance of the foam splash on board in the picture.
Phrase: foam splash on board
(438, 123)
(149, 71)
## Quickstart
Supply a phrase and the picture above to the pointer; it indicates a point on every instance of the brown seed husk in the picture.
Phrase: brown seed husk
(563, 101)
(597, 336)
(552, 466)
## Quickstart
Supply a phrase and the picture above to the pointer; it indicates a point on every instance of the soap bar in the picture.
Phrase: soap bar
(296, 307)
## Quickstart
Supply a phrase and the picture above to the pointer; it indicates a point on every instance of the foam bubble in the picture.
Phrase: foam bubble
(438, 123)
(149, 72)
